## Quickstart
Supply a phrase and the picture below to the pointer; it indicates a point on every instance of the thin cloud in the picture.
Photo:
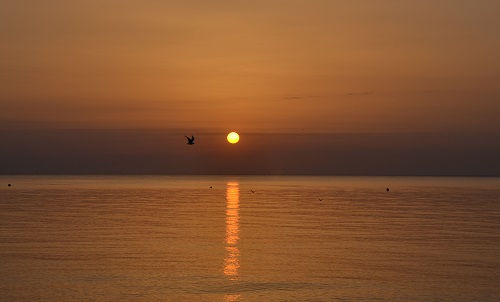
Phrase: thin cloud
(359, 93)
(298, 97)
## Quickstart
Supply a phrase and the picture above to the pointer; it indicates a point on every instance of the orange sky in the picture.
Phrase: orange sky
(253, 66)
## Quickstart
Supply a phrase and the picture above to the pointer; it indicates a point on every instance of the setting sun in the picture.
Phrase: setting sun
(233, 137)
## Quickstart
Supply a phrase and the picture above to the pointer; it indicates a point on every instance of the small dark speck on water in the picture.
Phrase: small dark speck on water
(387, 189)
(9, 185)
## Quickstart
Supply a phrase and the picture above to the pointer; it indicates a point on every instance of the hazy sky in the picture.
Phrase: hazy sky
(274, 68)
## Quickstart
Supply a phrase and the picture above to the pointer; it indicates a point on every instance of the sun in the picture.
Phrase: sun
(233, 137)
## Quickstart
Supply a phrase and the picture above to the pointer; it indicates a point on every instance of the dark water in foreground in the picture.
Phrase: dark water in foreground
(148, 238)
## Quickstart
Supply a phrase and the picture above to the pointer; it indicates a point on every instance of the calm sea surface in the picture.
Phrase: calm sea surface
(166, 238)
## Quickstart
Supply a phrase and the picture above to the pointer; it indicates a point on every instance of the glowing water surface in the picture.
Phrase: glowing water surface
(166, 238)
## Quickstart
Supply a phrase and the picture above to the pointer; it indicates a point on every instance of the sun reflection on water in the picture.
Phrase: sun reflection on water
(232, 298)
(231, 262)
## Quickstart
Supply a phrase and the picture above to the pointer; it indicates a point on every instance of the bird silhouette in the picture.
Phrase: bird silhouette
(252, 191)
(190, 140)
(320, 199)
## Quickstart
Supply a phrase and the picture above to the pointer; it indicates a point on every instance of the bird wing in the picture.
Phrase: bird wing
(192, 138)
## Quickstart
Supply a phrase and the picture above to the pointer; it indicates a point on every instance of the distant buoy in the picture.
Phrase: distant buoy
(387, 189)
(9, 185)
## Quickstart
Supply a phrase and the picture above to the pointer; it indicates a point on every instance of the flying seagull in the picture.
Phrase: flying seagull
(190, 140)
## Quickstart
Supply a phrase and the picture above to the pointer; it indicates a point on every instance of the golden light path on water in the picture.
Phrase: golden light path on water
(231, 262)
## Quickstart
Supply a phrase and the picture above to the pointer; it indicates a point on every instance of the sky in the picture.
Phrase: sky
(313, 87)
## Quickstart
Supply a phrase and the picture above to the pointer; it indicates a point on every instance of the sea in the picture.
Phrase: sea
(249, 238)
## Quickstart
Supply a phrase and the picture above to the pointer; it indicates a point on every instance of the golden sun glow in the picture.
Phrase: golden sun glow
(233, 137)
(231, 262)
